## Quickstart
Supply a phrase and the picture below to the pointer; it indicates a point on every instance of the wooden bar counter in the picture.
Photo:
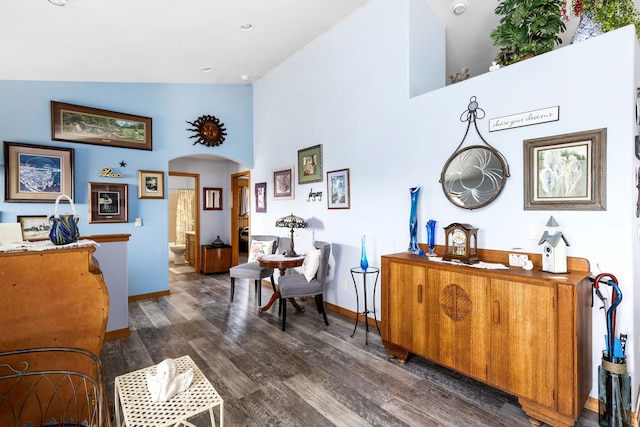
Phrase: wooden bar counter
(52, 296)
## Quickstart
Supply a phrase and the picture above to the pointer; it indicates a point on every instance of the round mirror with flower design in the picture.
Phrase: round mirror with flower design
(474, 176)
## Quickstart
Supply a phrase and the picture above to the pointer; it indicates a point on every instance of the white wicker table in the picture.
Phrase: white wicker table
(139, 410)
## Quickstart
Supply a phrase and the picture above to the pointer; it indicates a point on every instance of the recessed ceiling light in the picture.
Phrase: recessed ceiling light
(246, 27)
(458, 7)
(244, 77)
(58, 2)
(206, 69)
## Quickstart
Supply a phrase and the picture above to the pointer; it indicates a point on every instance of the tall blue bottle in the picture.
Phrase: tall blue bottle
(364, 264)
(431, 237)
(413, 223)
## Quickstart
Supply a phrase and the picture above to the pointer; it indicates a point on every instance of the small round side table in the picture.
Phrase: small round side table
(359, 271)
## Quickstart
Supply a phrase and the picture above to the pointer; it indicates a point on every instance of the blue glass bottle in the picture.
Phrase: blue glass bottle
(431, 237)
(364, 264)
(413, 223)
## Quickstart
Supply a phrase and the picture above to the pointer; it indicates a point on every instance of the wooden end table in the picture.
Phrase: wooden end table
(280, 262)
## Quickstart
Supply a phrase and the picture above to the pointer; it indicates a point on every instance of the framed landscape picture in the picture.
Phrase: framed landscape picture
(108, 202)
(34, 227)
(99, 127)
(37, 173)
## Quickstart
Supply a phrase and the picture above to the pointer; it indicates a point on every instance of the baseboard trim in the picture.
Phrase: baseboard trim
(591, 404)
(118, 333)
(149, 296)
(350, 314)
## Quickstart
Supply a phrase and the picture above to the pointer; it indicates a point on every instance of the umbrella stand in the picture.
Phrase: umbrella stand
(614, 382)
(614, 394)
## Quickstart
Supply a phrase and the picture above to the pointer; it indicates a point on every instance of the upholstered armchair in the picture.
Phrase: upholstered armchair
(311, 280)
(258, 245)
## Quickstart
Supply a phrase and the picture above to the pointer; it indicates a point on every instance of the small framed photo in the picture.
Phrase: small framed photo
(108, 202)
(261, 197)
(283, 183)
(566, 172)
(37, 173)
(338, 189)
(212, 199)
(34, 227)
(150, 185)
(310, 165)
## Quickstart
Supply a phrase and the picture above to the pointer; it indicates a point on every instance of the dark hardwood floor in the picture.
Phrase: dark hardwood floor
(309, 375)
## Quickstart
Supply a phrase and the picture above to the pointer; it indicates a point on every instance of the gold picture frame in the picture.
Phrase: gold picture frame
(150, 184)
(37, 173)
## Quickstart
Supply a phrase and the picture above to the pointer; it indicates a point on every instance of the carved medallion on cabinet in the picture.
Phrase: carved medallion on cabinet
(455, 302)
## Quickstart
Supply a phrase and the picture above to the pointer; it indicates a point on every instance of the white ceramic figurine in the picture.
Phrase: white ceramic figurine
(168, 382)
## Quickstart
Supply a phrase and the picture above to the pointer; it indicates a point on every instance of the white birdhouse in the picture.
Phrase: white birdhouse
(554, 249)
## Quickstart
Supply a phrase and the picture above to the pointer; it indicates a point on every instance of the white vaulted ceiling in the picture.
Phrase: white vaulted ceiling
(163, 41)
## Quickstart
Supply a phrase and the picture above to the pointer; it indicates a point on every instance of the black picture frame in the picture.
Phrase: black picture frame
(108, 202)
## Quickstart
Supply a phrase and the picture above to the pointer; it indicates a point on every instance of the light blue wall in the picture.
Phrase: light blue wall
(343, 96)
(25, 117)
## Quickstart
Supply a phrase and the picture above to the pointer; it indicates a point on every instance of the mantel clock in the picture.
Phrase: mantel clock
(461, 243)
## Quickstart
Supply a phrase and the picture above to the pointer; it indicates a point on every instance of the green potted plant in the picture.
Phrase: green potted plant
(609, 14)
(527, 28)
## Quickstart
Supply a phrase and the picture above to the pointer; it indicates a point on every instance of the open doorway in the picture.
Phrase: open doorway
(240, 217)
(184, 222)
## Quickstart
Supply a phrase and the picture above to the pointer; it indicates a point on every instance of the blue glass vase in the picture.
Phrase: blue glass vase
(413, 223)
(364, 264)
(431, 237)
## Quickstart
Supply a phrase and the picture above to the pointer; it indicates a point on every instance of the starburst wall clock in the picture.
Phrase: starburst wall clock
(208, 130)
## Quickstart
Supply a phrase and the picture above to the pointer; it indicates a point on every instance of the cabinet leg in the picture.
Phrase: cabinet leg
(539, 414)
(535, 422)
(401, 354)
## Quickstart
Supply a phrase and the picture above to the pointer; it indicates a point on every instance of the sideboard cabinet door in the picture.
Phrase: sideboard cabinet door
(523, 339)
(407, 301)
(456, 319)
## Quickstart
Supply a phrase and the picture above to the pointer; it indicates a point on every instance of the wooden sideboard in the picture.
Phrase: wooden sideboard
(525, 332)
(215, 259)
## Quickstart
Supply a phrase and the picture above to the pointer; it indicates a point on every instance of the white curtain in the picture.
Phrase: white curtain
(184, 214)
(244, 201)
